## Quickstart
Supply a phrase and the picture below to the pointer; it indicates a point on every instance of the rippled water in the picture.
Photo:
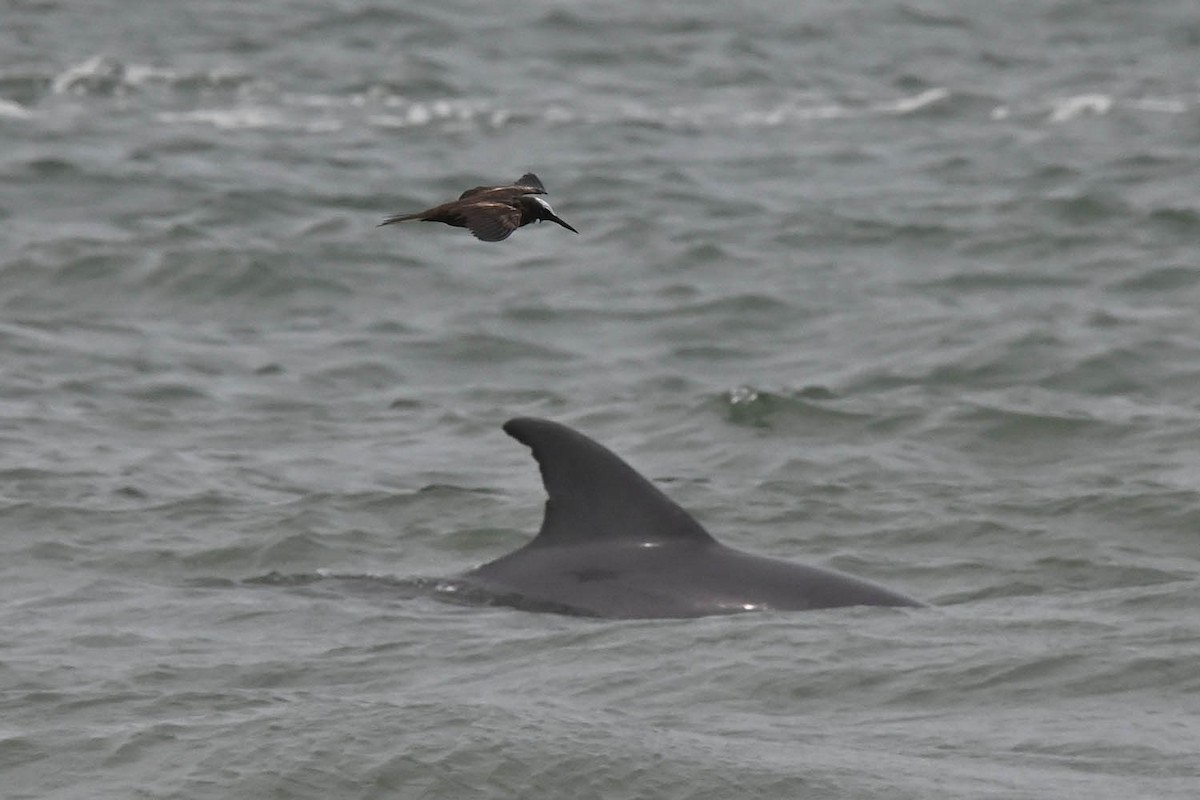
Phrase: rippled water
(906, 289)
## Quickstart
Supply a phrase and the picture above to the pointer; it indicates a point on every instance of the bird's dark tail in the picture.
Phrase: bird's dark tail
(399, 218)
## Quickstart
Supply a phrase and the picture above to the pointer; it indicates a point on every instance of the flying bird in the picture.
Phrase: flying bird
(492, 213)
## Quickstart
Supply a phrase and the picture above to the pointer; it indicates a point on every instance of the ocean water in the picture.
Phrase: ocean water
(908, 289)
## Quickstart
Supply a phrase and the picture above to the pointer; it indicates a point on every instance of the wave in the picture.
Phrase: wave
(230, 97)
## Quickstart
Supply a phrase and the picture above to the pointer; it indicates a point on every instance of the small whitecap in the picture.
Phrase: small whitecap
(140, 74)
(1069, 108)
(98, 73)
(226, 118)
(926, 98)
(310, 100)
(762, 119)
(741, 395)
(418, 114)
(13, 110)
(388, 121)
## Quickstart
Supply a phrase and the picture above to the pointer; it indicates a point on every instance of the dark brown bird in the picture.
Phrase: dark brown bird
(492, 213)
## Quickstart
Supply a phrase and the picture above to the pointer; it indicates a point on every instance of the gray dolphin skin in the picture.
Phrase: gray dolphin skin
(612, 545)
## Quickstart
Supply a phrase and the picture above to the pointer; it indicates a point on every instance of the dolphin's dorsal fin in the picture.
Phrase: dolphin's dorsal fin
(594, 495)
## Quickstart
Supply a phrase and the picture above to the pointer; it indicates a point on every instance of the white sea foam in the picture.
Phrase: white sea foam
(14, 110)
(908, 105)
(87, 75)
(1069, 108)
(227, 118)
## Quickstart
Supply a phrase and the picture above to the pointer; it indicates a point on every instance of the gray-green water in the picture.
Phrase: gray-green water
(907, 289)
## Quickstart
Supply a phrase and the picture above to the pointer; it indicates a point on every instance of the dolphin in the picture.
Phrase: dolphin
(612, 545)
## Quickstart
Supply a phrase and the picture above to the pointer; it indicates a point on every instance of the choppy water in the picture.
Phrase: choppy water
(907, 289)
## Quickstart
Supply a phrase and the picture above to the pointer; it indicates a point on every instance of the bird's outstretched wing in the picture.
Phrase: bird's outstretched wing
(526, 184)
(476, 190)
(492, 222)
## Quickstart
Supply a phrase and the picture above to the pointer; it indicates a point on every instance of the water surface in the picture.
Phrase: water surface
(905, 289)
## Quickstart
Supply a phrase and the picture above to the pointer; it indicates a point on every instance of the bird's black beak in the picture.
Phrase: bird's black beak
(553, 218)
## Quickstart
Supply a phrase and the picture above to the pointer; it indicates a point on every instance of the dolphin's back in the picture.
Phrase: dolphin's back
(672, 580)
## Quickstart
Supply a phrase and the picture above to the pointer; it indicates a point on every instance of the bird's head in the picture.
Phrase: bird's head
(542, 210)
